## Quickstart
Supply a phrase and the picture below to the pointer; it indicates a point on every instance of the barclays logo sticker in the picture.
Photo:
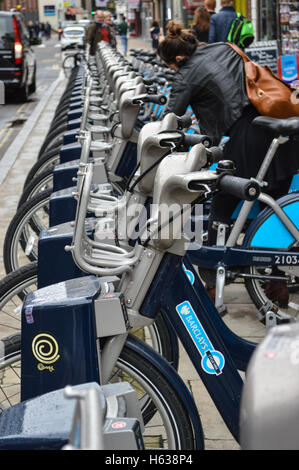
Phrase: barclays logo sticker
(189, 274)
(212, 361)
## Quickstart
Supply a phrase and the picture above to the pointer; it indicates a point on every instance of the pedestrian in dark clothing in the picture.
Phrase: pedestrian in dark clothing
(201, 24)
(210, 5)
(42, 29)
(31, 30)
(210, 78)
(97, 32)
(36, 28)
(155, 34)
(221, 22)
(48, 30)
(123, 34)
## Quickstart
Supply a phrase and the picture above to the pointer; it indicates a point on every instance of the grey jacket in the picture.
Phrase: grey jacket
(212, 83)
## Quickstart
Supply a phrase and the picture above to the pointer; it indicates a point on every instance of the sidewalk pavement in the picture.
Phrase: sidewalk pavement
(241, 316)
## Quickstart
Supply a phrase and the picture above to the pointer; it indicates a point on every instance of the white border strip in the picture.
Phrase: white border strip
(11, 154)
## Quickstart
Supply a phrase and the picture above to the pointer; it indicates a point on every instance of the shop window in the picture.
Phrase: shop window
(268, 20)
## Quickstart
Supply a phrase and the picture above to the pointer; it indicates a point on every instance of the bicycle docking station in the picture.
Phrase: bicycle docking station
(65, 352)
(81, 417)
(269, 418)
(52, 268)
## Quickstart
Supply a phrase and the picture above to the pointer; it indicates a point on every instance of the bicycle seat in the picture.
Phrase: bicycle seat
(284, 127)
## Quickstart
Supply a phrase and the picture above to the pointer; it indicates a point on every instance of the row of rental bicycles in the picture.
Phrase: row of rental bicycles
(105, 260)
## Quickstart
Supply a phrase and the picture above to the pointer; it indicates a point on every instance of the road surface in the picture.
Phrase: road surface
(13, 115)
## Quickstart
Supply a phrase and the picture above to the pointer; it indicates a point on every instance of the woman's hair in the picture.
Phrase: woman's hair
(201, 19)
(155, 24)
(210, 4)
(177, 42)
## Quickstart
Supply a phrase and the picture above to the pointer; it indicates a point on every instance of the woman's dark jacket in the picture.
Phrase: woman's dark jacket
(212, 83)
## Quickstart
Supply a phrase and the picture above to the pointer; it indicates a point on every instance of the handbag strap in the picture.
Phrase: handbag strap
(239, 51)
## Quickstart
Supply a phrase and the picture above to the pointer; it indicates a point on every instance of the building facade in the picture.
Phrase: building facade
(29, 8)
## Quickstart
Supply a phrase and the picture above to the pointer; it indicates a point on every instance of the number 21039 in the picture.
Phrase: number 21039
(286, 259)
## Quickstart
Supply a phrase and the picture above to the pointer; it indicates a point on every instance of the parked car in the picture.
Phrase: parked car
(17, 58)
(72, 37)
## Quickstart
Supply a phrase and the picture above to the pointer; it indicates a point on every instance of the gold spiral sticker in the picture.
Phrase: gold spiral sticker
(45, 348)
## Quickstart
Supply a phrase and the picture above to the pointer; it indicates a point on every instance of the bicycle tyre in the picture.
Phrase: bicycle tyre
(52, 134)
(171, 419)
(25, 224)
(10, 370)
(48, 160)
(57, 141)
(37, 185)
(69, 63)
(159, 393)
(256, 288)
(13, 289)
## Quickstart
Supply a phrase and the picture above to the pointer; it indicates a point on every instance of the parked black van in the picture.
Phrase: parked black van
(17, 59)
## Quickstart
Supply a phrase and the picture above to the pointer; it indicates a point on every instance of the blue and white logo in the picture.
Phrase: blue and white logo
(189, 274)
(212, 361)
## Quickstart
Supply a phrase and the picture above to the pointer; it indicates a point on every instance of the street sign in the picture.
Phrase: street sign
(264, 53)
(288, 68)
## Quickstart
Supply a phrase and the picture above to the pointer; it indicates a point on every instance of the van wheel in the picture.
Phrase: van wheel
(23, 93)
(32, 87)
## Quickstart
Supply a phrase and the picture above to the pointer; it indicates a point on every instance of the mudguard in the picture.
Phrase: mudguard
(267, 231)
(176, 382)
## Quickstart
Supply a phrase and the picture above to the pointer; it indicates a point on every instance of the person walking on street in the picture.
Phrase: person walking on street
(155, 34)
(123, 31)
(221, 22)
(201, 24)
(48, 30)
(31, 30)
(210, 5)
(111, 26)
(97, 32)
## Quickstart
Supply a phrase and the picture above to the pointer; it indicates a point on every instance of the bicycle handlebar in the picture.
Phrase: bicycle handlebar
(214, 154)
(242, 188)
(157, 99)
(193, 139)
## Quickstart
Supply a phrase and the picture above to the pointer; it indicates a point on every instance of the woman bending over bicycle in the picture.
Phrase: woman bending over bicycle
(210, 78)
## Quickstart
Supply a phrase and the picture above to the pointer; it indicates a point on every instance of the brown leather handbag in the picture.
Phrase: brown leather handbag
(268, 94)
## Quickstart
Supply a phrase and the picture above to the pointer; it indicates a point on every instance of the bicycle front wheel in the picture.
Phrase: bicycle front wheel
(69, 63)
(10, 370)
(166, 419)
(13, 289)
(167, 422)
(21, 239)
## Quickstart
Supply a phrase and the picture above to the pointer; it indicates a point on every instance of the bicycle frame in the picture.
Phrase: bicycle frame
(216, 352)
